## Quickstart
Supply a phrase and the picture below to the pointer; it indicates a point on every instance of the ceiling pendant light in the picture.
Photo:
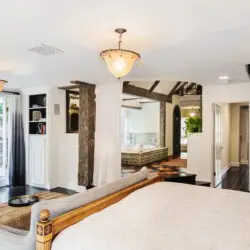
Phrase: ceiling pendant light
(120, 61)
(192, 114)
(2, 84)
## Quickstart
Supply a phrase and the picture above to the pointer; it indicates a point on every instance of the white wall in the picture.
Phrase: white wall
(144, 120)
(64, 146)
(62, 155)
(200, 150)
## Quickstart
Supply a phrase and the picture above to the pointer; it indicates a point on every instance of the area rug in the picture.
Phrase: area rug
(3, 204)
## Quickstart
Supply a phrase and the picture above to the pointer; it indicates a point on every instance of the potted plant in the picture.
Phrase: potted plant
(193, 125)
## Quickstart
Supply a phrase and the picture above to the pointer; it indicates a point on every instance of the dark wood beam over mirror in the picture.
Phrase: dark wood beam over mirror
(155, 84)
(173, 90)
(180, 90)
(76, 86)
(190, 87)
(125, 83)
(131, 107)
(137, 91)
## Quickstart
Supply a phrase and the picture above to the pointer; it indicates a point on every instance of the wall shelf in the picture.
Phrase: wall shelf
(44, 121)
(33, 108)
(40, 111)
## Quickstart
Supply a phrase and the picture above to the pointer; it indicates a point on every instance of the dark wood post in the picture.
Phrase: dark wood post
(162, 123)
(87, 114)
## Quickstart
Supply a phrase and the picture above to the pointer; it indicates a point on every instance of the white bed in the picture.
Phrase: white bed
(166, 216)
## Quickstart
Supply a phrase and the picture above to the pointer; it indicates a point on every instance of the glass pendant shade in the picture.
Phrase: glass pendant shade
(120, 62)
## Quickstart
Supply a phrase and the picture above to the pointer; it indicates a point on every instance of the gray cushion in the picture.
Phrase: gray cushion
(16, 241)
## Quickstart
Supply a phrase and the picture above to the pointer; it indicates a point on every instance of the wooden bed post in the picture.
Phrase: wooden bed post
(44, 231)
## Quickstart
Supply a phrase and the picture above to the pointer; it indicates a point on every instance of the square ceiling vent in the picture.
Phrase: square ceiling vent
(45, 50)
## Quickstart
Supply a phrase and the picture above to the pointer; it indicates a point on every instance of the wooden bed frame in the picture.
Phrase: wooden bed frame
(48, 229)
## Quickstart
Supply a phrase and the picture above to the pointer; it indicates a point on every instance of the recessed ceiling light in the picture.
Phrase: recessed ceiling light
(223, 78)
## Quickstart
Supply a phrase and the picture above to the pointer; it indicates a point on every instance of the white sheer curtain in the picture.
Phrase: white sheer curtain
(108, 137)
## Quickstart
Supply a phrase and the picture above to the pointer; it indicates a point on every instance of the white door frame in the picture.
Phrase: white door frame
(214, 148)
(212, 144)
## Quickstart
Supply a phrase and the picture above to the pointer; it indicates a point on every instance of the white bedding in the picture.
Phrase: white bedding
(166, 216)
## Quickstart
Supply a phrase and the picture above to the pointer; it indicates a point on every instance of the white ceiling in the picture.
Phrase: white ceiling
(189, 40)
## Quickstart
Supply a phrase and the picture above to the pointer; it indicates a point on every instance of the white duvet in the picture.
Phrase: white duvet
(166, 216)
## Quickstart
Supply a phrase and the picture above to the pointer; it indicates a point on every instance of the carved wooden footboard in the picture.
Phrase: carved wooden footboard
(48, 229)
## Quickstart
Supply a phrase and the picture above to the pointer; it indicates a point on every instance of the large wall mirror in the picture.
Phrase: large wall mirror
(72, 111)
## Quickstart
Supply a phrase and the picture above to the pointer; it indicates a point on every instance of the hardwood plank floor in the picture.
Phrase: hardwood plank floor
(236, 178)
(7, 193)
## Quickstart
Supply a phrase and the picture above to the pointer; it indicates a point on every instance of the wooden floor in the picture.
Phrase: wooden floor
(7, 193)
(236, 178)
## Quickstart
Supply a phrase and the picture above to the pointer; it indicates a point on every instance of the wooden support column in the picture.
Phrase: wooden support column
(162, 123)
(87, 114)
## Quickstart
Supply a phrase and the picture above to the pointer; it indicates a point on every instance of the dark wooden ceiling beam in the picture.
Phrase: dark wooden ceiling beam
(69, 87)
(131, 99)
(180, 90)
(137, 91)
(190, 87)
(131, 107)
(172, 92)
(126, 83)
(80, 82)
(155, 84)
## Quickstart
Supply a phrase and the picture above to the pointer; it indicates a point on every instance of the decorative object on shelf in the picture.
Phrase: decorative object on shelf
(2, 84)
(23, 201)
(40, 128)
(36, 115)
(44, 129)
(120, 61)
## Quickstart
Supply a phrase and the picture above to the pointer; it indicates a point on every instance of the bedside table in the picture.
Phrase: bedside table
(180, 177)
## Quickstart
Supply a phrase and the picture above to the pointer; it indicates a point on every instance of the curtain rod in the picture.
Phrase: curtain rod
(10, 92)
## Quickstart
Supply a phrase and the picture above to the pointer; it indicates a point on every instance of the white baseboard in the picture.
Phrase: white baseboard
(225, 169)
(235, 164)
(244, 162)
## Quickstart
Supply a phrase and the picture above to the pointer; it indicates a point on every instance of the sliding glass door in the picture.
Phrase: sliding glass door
(3, 141)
